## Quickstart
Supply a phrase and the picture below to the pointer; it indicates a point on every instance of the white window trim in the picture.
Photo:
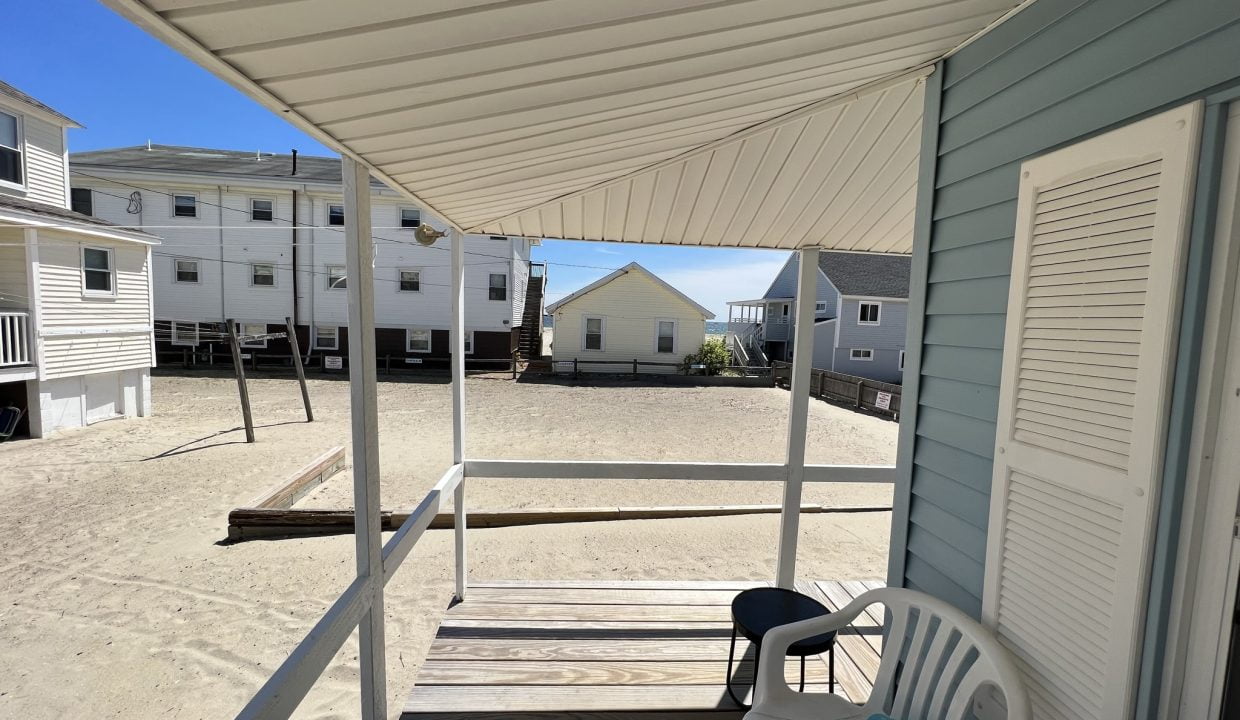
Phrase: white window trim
(172, 205)
(507, 286)
(602, 344)
(400, 217)
(862, 304)
(98, 294)
(675, 335)
(21, 150)
(254, 345)
(275, 275)
(820, 307)
(314, 337)
(901, 360)
(469, 336)
(327, 214)
(327, 278)
(184, 343)
(197, 271)
(852, 354)
(430, 340)
(273, 208)
(417, 270)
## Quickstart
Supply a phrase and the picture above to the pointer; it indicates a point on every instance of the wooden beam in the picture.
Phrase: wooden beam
(638, 470)
(242, 390)
(364, 416)
(301, 371)
(798, 416)
(301, 482)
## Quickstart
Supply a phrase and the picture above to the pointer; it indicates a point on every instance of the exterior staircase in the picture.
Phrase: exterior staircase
(529, 344)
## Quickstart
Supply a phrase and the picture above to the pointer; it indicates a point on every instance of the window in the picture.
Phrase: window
(410, 218)
(262, 210)
(82, 200)
(418, 341)
(326, 337)
(185, 206)
(593, 331)
(97, 271)
(184, 333)
(469, 342)
(665, 336)
(820, 308)
(186, 270)
(336, 278)
(498, 286)
(262, 274)
(858, 354)
(410, 281)
(253, 329)
(335, 214)
(10, 149)
(901, 359)
(867, 313)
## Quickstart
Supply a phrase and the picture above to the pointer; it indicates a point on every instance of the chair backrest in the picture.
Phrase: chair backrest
(9, 418)
(935, 660)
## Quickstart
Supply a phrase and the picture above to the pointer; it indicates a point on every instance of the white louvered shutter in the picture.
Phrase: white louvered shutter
(1097, 265)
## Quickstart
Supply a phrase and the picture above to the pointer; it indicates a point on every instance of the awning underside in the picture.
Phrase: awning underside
(764, 123)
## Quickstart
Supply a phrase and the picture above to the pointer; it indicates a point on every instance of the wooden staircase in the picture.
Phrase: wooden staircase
(529, 344)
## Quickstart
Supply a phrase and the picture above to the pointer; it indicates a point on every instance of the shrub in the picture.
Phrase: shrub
(713, 354)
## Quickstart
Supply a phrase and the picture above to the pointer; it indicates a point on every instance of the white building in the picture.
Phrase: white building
(76, 344)
(628, 316)
(258, 237)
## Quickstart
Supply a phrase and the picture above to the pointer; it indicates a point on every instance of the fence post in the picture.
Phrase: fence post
(242, 390)
(634, 368)
(514, 364)
(387, 364)
(574, 368)
(185, 357)
(301, 371)
(860, 390)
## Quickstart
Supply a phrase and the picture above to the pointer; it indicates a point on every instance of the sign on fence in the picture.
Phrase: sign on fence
(563, 365)
(413, 361)
(333, 362)
(245, 356)
(883, 401)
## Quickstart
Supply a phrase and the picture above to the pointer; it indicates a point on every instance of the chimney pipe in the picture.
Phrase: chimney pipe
(294, 162)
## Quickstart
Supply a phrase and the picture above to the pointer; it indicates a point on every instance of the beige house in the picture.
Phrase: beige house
(628, 316)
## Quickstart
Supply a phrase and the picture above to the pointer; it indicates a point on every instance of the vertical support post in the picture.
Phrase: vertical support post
(457, 339)
(364, 418)
(301, 371)
(798, 412)
(242, 390)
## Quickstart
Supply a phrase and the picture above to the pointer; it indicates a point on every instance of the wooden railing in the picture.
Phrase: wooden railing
(879, 397)
(14, 338)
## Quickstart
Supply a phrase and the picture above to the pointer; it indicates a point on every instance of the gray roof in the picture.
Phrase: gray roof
(13, 93)
(209, 161)
(867, 274)
(53, 212)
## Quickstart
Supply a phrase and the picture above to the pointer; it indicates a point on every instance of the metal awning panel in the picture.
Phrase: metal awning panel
(604, 120)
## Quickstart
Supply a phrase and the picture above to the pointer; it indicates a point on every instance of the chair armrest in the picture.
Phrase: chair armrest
(771, 686)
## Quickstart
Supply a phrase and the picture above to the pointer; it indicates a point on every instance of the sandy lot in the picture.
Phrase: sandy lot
(117, 597)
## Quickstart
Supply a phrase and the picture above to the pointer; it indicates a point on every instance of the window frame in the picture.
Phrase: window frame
(675, 335)
(400, 217)
(492, 288)
(852, 354)
(183, 343)
(20, 130)
(261, 198)
(172, 200)
(430, 340)
(110, 293)
(878, 313)
(275, 280)
(261, 344)
(602, 333)
(400, 280)
(820, 307)
(314, 337)
(329, 215)
(176, 271)
(91, 199)
(343, 274)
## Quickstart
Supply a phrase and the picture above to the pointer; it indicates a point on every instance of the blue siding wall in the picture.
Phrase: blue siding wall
(886, 340)
(1058, 71)
(785, 285)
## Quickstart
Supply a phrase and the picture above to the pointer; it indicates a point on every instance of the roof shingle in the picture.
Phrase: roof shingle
(209, 161)
(867, 274)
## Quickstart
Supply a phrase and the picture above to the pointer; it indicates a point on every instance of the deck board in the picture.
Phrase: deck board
(611, 650)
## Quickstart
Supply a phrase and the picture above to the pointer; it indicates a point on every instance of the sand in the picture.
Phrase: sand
(119, 600)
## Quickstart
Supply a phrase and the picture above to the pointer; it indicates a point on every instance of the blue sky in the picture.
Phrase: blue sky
(126, 87)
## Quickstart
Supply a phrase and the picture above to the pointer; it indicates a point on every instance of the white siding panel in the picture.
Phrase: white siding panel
(45, 161)
(66, 356)
(13, 292)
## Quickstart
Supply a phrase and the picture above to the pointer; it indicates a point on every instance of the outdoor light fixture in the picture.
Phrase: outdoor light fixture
(427, 235)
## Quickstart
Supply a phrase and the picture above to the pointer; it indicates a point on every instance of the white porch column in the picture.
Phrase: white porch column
(457, 341)
(798, 411)
(364, 416)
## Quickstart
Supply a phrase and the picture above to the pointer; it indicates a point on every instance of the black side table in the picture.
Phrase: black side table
(756, 611)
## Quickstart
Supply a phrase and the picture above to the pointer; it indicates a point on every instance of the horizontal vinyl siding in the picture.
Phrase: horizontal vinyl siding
(1056, 72)
(13, 293)
(66, 356)
(45, 161)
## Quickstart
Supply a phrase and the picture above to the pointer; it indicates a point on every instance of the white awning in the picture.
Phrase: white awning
(762, 123)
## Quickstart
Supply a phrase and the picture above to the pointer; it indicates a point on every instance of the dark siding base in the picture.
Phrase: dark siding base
(489, 345)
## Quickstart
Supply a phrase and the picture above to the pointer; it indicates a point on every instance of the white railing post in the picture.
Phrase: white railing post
(363, 410)
(15, 344)
(457, 338)
(798, 412)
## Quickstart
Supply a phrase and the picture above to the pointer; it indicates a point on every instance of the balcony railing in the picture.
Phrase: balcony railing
(14, 338)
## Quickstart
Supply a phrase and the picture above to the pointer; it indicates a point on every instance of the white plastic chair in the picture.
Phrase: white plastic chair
(935, 659)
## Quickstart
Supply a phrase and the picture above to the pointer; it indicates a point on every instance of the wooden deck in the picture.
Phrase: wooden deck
(602, 650)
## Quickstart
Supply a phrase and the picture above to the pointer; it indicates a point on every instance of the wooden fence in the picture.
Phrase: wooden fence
(857, 391)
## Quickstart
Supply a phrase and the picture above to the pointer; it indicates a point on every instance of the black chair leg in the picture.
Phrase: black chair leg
(728, 677)
(802, 688)
(831, 669)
